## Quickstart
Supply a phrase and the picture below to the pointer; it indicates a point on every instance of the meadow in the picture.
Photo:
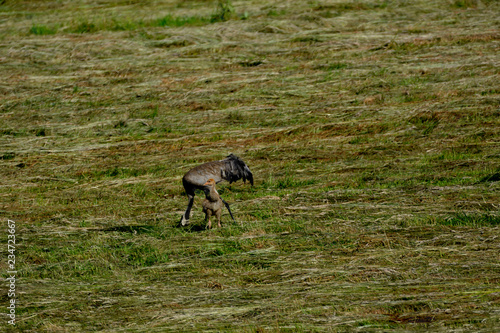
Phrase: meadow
(371, 128)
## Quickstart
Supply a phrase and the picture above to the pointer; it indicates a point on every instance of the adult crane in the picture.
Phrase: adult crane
(231, 169)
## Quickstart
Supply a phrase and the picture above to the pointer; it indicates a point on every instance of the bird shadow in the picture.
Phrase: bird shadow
(195, 227)
(147, 229)
(133, 229)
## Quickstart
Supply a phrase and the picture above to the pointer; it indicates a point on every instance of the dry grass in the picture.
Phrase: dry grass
(371, 127)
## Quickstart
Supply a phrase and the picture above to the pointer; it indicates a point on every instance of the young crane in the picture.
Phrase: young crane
(232, 168)
(212, 205)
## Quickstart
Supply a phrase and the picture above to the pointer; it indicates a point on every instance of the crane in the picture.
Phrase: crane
(231, 169)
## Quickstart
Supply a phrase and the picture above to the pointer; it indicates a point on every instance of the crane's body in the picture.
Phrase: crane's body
(231, 169)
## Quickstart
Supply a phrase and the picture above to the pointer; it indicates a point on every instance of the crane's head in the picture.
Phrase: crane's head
(210, 182)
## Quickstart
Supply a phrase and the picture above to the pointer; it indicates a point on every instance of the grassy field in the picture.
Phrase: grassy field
(371, 127)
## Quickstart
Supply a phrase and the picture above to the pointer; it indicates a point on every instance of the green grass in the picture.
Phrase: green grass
(474, 220)
(42, 30)
(223, 11)
(170, 21)
(371, 127)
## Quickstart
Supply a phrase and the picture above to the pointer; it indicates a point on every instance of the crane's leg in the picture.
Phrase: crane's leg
(228, 209)
(209, 214)
(218, 214)
(185, 217)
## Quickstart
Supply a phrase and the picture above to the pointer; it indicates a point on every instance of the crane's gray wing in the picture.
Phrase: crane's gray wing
(235, 169)
(232, 168)
(201, 173)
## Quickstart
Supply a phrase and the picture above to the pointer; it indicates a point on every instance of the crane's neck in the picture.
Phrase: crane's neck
(212, 194)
